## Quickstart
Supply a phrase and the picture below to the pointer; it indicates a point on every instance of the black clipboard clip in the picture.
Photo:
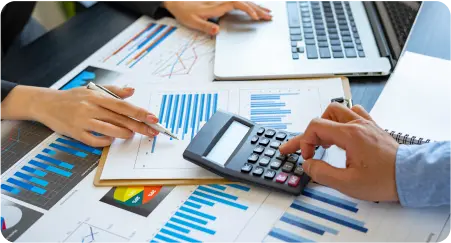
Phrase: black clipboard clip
(342, 100)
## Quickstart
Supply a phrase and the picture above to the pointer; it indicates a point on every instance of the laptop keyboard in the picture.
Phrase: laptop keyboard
(323, 30)
(402, 17)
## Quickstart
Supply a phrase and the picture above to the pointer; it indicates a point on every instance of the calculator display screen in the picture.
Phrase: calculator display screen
(225, 146)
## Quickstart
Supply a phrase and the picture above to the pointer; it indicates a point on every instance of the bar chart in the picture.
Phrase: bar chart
(317, 216)
(211, 213)
(280, 109)
(47, 175)
(132, 51)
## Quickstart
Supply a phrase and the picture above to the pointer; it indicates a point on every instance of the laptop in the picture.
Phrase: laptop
(314, 39)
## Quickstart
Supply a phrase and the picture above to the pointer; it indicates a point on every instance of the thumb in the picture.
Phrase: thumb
(325, 174)
(203, 25)
(121, 92)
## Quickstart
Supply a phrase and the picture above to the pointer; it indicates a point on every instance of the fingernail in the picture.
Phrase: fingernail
(152, 118)
(129, 89)
(214, 30)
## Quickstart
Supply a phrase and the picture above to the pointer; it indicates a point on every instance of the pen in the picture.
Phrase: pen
(156, 126)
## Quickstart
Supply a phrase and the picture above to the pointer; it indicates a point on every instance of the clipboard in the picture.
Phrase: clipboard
(154, 182)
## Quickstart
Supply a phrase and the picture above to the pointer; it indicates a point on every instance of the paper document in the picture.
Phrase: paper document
(183, 109)
(416, 98)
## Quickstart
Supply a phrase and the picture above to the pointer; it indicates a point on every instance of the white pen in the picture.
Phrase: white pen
(155, 126)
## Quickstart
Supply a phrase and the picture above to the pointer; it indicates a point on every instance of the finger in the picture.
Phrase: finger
(121, 92)
(265, 9)
(125, 108)
(262, 14)
(361, 112)
(327, 175)
(124, 121)
(294, 144)
(109, 129)
(339, 113)
(95, 141)
(203, 25)
(247, 8)
(322, 131)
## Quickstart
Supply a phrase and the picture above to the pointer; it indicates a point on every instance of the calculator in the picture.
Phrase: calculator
(240, 150)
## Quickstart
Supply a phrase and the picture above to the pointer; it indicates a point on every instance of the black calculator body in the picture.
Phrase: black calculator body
(240, 150)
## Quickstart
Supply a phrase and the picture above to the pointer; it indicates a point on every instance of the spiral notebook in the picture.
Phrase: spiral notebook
(414, 106)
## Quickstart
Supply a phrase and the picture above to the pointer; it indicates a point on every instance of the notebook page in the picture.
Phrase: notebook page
(416, 99)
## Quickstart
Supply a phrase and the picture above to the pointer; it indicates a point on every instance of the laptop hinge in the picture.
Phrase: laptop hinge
(378, 31)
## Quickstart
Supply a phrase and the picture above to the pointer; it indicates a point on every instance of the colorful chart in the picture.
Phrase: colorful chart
(133, 196)
(139, 200)
(11, 216)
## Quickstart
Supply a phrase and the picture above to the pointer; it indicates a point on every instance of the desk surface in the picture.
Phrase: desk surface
(56, 53)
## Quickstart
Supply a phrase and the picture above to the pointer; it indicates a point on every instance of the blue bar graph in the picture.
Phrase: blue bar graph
(164, 238)
(217, 193)
(34, 171)
(50, 168)
(31, 179)
(192, 226)
(55, 161)
(200, 200)
(178, 236)
(191, 218)
(79, 145)
(286, 236)
(197, 213)
(220, 200)
(240, 187)
(10, 189)
(26, 186)
(178, 228)
(329, 215)
(182, 114)
(219, 187)
(49, 151)
(271, 110)
(193, 205)
(332, 200)
(68, 150)
(307, 224)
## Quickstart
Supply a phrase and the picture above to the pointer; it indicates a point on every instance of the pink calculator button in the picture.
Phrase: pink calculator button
(281, 177)
(293, 181)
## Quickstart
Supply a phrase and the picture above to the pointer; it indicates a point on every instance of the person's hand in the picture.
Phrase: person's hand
(196, 14)
(370, 153)
(79, 112)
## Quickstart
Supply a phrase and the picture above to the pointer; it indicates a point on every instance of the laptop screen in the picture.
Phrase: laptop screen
(397, 19)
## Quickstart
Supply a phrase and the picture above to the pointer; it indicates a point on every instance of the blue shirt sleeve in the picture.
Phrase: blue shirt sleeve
(423, 174)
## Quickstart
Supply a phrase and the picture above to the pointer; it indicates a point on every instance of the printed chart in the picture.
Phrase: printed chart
(183, 114)
(280, 109)
(211, 213)
(16, 219)
(48, 174)
(86, 233)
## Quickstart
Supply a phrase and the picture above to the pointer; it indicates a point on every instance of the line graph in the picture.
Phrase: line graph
(185, 57)
(87, 233)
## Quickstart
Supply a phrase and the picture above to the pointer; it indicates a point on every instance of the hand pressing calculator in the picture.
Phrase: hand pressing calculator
(240, 150)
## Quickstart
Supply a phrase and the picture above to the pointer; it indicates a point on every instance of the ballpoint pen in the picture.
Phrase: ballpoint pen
(155, 126)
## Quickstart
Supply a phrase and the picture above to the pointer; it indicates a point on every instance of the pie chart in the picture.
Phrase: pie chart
(135, 196)
(11, 215)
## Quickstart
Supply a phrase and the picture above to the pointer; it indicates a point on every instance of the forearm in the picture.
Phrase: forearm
(20, 102)
(423, 174)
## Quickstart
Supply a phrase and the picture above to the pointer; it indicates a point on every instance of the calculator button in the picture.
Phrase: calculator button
(253, 158)
(270, 133)
(269, 174)
(281, 136)
(254, 139)
(287, 167)
(298, 152)
(281, 177)
(258, 171)
(259, 149)
(299, 170)
(294, 181)
(246, 168)
(270, 152)
(264, 161)
(274, 144)
(264, 142)
(293, 158)
(282, 157)
(275, 164)
(260, 131)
